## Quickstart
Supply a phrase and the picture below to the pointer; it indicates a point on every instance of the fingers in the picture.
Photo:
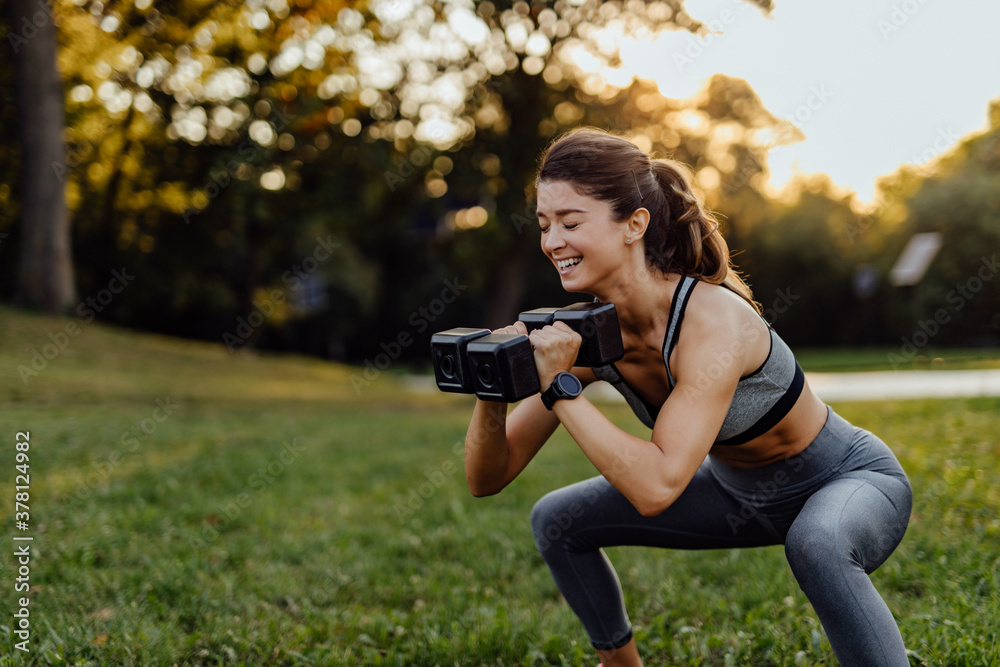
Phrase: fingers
(555, 349)
(559, 331)
(561, 326)
(516, 328)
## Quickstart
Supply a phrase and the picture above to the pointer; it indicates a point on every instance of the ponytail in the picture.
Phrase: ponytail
(685, 238)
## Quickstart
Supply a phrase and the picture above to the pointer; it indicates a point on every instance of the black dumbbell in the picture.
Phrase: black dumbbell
(501, 367)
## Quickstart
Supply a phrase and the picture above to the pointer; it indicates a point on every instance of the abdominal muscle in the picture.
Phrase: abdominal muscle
(789, 437)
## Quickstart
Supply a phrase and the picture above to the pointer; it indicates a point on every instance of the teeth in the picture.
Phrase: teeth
(566, 263)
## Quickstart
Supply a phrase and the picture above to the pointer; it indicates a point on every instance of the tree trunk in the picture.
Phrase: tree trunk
(510, 286)
(45, 273)
(519, 157)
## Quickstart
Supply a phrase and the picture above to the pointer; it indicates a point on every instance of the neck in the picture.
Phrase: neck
(639, 295)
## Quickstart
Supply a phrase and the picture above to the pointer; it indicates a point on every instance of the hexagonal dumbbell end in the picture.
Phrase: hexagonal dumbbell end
(503, 367)
(451, 365)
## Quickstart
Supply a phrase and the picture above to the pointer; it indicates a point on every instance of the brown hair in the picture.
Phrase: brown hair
(682, 237)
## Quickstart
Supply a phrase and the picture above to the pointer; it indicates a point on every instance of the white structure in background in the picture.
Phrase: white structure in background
(917, 256)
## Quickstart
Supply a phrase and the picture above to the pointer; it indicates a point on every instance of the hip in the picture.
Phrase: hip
(841, 449)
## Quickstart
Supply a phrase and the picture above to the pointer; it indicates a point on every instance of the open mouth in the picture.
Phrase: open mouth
(567, 264)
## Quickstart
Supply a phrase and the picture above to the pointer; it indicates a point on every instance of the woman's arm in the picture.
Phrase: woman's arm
(650, 473)
(653, 473)
(498, 446)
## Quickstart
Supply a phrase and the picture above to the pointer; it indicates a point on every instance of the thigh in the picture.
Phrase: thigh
(860, 516)
(593, 514)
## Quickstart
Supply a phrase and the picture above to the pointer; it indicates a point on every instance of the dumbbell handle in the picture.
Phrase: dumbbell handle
(597, 323)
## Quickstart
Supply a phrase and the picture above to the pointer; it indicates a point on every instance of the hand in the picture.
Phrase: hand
(556, 347)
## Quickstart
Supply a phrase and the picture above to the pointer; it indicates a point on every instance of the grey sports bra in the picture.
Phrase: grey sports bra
(761, 400)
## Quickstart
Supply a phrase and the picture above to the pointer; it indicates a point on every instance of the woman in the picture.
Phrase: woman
(741, 453)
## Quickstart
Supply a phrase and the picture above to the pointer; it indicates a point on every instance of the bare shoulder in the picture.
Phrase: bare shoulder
(715, 309)
(721, 324)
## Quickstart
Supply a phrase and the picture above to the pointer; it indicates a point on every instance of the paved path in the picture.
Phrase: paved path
(904, 384)
(832, 387)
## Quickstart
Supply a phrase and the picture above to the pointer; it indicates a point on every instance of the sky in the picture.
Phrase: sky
(872, 84)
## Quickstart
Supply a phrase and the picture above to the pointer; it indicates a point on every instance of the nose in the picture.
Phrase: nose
(552, 240)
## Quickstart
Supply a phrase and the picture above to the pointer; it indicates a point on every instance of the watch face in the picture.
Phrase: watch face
(569, 383)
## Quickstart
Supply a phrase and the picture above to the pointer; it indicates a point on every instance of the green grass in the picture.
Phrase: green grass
(278, 517)
(833, 360)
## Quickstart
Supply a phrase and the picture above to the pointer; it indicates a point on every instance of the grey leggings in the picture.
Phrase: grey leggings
(840, 508)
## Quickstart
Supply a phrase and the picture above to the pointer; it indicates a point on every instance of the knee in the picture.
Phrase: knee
(811, 549)
(553, 519)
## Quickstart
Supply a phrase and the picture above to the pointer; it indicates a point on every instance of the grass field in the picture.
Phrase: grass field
(189, 506)
(843, 360)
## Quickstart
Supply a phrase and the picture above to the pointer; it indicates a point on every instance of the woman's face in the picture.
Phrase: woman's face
(579, 236)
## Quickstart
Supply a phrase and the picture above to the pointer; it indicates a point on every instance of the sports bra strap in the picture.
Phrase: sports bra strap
(677, 307)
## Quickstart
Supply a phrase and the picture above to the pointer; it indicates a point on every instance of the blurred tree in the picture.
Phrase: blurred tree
(45, 272)
(507, 79)
(801, 267)
(9, 171)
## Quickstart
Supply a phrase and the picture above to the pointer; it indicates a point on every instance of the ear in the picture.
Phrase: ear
(636, 224)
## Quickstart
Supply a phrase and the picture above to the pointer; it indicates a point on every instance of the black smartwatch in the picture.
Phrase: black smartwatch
(565, 385)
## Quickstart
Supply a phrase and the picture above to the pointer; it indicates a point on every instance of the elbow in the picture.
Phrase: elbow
(651, 509)
(655, 502)
(482, 490)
